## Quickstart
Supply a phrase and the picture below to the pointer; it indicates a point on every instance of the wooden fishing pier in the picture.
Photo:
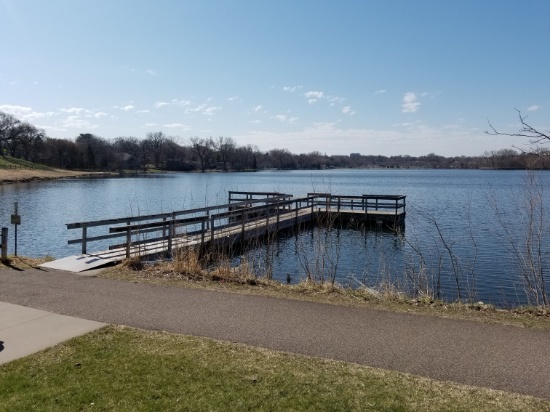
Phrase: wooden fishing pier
(246, 217)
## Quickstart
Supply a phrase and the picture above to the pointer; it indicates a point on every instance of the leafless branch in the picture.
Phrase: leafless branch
(536, 137)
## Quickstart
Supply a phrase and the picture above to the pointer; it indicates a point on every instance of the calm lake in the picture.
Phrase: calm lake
(466, 230)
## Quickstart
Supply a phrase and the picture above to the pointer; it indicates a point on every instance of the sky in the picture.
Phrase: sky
(380, 77)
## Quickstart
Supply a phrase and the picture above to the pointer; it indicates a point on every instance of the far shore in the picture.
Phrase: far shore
(9, 176)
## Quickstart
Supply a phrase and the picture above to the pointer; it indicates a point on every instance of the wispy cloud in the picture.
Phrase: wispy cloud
(348, 110)
(410, 103)
(533, 108)
(75, 122)
(151, 72)
(25, 113)
(314, 95)
(285, 119)
(232, 99)
(381, 91)
(258, 108)
(158, 105)
(181, 103)
(99, 115)
(73, 110)
(209, 111)
(292, 89)
(176, 126)
(128, 107)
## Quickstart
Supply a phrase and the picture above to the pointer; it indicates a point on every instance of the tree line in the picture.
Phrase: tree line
(157, 150)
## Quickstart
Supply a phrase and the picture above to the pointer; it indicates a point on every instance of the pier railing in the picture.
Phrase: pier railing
(385, 204)
(204, 223)
(254, 211)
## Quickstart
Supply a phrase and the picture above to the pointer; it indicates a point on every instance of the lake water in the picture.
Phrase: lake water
(465, 229)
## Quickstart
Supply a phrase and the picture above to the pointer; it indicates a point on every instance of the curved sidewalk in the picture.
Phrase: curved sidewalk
(24, 330)
(495, 356)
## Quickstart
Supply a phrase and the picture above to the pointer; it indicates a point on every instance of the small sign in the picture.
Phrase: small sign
(15, 219)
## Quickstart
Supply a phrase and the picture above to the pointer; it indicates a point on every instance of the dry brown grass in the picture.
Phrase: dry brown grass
(18, 175)
(22, 263)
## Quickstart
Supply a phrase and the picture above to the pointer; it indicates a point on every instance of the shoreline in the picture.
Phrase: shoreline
(14, 176)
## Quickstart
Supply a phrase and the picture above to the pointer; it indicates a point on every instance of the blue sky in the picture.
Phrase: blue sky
(377, 77)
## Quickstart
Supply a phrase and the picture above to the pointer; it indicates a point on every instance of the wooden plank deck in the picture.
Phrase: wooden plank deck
(235, 232)
(247, 216)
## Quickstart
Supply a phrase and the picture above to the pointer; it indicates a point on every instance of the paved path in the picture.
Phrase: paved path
(494, 356)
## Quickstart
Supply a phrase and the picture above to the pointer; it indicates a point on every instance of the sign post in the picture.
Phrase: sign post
(16, 221)
(4, 254)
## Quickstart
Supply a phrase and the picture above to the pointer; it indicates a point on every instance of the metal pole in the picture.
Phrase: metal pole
(4, 244)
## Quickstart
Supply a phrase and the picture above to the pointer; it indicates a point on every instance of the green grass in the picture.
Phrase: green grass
(12, 161)
(125, 369)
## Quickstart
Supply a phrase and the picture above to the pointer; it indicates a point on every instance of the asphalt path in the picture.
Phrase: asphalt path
(494, 356)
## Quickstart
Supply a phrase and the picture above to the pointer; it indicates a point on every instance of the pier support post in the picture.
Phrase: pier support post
(128, 241)
(84, 234)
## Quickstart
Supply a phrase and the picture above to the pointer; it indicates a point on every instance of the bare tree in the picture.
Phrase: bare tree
(203, 148)
(156, 142)
(225, 146)
(535, 136)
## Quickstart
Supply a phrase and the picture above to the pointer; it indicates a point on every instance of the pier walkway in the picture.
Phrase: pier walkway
(246, 217)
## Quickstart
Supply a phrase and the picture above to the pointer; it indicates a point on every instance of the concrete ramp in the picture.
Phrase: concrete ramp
(81, 263)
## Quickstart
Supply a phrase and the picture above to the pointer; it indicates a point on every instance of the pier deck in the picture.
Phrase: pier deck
(247, 216)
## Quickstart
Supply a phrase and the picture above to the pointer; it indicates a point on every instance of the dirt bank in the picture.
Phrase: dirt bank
(8, 176)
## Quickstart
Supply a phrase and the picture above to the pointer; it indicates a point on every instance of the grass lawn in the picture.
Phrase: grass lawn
(125, 369)
(32, 171)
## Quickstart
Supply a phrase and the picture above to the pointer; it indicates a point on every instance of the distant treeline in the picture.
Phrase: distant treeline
(157, 150)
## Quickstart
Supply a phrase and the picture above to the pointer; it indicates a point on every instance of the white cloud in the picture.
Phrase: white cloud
(53, 129)
(533, 108)
(348, 110)
(158, 105)
(176, 126)
(73, 110)
(15, 110)
(410, 103)
(128, 107)
(232, 99)
(312, 101)
(24, 113)
(285, 119)
(203, 109)
(381, 91)
(181, 103)
(335, 99)
(209, 111)
(144, 111)
(314, 95)
(75, 122)
(291, 89)
(151, 72)
(100, 115)
(258, 108)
